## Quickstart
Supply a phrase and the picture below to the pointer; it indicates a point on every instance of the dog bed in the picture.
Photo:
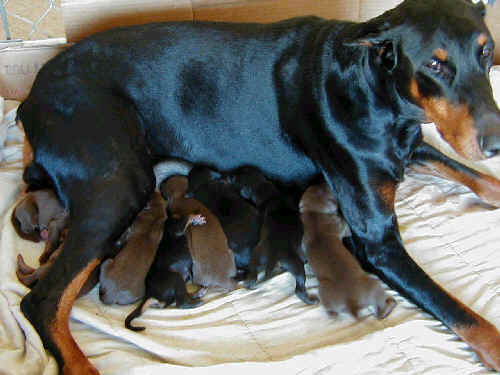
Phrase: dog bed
(445, 227)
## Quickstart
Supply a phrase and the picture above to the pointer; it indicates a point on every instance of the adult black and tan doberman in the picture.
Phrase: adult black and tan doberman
(295, 99)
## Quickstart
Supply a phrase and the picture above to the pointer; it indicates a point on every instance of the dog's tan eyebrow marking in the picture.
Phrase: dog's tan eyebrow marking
(482, 39)
(441, 54)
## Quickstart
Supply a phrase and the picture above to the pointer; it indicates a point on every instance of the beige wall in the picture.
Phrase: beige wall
(85, 17)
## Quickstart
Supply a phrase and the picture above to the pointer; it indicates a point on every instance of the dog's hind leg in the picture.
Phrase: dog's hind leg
(49, 304)
(428, 160)
(103, 175)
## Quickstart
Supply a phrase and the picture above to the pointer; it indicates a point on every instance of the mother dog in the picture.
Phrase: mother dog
(296, 99)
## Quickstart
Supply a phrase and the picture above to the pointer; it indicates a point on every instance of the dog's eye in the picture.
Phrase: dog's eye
(487, 52)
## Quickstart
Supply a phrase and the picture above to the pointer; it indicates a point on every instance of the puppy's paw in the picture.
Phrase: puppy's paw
(250, 284)
(385, 307)
(308, 299)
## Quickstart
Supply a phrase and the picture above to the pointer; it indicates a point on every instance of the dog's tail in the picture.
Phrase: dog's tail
(169, 168)
(145, 303)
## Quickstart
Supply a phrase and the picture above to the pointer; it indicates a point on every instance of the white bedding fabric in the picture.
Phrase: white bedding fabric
(447, 230)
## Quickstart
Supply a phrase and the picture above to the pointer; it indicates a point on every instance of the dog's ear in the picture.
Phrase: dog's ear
(377, 36)
(386, 50)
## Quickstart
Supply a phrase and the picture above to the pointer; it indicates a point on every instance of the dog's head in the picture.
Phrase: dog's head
(439, 53)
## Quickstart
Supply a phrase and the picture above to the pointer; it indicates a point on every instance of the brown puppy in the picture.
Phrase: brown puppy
(40, 216)
(343, 285)
(122, 278)
(171, 268)
(213, 260)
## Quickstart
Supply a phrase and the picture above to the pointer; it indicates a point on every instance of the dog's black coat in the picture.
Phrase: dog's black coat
(294, 98)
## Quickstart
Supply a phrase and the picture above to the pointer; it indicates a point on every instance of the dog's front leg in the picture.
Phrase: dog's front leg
(367, 203)
(428, 160)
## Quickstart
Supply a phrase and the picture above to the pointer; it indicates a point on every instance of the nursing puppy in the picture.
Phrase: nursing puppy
(122, 278)
(40, 216)
(172, 267)
(240, 219)
(280, 242)
(213, 260)
(343, 285)
(278, 239)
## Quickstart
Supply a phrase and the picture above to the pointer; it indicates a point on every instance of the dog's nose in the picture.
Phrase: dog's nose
(489, 134)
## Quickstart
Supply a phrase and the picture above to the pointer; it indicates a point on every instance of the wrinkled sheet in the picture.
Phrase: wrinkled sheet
(445, 228)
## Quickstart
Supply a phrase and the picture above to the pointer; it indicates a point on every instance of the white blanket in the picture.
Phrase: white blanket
(445, 228)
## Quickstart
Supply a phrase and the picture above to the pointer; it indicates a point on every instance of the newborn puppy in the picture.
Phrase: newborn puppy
(172, 267)
(343, 285)
(273, 235)
(122, 278)
(240, 220)
(40, 216)
(280, 241)
(213, 260)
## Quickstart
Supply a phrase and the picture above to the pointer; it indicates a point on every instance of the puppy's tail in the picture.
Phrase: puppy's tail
(136, 313)
(169, 168)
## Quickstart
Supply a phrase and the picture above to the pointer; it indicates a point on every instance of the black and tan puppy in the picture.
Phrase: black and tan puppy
(122, 278)
(213, 260)
(172, 267)
(39, 216)
(343, 285)
(278, 239)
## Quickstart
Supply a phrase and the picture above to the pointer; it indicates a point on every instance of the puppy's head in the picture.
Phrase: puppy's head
(253, 185)
(437, 55)
(319, 199)
(174, 188)
(200, 176)
(25, 219)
